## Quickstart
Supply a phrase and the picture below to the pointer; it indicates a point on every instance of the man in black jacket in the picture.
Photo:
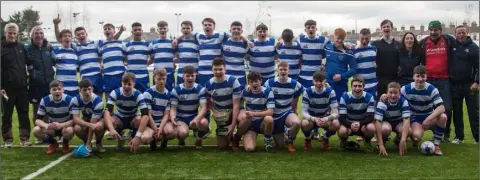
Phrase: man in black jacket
(436, 55)
(464, 84)
(14, 86)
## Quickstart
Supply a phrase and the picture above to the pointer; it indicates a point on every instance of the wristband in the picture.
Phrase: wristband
(138, 134)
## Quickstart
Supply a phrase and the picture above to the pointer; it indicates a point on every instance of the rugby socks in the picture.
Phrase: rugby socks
(267, 138)
(327, 133)
(201, 133)
(315, 130)
(51, 140)
(438, 134)
(237, 137)
(308, 134)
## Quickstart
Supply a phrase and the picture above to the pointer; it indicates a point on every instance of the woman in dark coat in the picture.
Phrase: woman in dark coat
(409, 53)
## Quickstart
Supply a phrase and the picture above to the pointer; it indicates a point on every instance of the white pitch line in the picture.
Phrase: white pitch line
(43, 169)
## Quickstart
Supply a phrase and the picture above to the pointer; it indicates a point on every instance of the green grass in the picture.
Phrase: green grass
(458, 162)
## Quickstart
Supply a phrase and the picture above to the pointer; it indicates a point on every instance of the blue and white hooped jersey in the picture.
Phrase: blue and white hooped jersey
(112, 53)
(91, 110)
(312, 54)
(223, 93)
(157, 102)
(126, 106)
(319, 104)
(162, 53)
(422, 101)
(284, 93)
(87, 58)
(187, 53)
(210, 47)
(291, 54)
(258, 102)
(187, 100)
(365, 58)
(56, 111)
(355, 108)
(392, 112)
(66, 63)
(262, 58)
(234, 53)
(137, 56)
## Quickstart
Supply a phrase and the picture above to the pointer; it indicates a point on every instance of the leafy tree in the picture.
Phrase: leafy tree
(26, 20)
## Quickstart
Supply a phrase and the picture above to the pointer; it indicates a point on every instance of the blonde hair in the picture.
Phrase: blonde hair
(11, 25)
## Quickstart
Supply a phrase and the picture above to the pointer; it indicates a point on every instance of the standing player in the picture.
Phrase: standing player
(66, 63)
(263, 54)
(137, 51)
(290, 52)
(187, 50)
(185, 100)
(158, 127)
(234, 51)
(162, 53)
(392, 114)
(127, 101)
(365, 56)
(91, 107)
(223, 92)
(258, 112)
(357, 115)
(340, 64)
(319, 109)
(286, 92)
(426, 106)
(56, 107)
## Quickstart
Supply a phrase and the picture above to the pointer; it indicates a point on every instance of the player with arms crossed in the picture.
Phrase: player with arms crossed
(56, 107)
(185, 100)
(263, 53)
(127, 101)
(319, 109)
(286, 92)
(426, 107)
(234, 51)
(258, 112)
(162, 52)
(66, 63)
(392, 114)
(137, 52)
(91, 107)
(187, 51)
(291, 52)
(223, 93)
(356, 111)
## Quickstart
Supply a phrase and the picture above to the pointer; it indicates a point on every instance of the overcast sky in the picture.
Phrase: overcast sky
(329, 15)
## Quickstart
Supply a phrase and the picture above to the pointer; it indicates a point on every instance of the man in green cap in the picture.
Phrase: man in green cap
(437, 56)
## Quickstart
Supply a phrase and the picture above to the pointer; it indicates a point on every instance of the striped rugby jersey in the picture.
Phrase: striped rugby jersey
(223, 93)
(355, 108)
(91, 110)
(157, 102)
(319, 104)
(187, 101)
(56, 111)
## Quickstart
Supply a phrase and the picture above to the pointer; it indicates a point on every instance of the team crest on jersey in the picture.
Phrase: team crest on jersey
(88, 111)
(227, 49)
(442, 44)
(133, 49)
(256, 49)
(182, 97)
(466, 50)
(340, 57)
(63, 56)
(305, 46)
(360, 55)
(47, 53)
(283, 53)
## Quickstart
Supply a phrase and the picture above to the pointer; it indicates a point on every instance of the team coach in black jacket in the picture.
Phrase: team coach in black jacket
(464, 84)
(14, 85)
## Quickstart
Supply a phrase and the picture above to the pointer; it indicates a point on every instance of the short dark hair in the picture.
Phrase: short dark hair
(218, 61)
(254, 76)
(135, 24)
(162, 24)
(79, 29)
(365, 31)
(236, 23)
(208, 20)
(261, 26)
(160, 72)
(460, 26)
(319, 75)
(310, 23)
(65, 31)
(109, 25)
(127, 77)
(84, 83)
(395, 85)
(385, 21)
(188, 70)
(188, 23)
(420, 69)
(56, 83)
(287, 35)
(357, 79)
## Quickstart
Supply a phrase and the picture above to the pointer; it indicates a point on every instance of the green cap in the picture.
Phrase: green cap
(435, 24)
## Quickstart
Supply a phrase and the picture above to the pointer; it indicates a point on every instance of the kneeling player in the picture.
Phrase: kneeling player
(127, 101)
(392, 114)
(91, 106)
(426, 106)
(158, 127)
(185, 100)
(286, 92)
(56, 107)
(318, 102)
(356, 115)
(224, 101)
(259, 105)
